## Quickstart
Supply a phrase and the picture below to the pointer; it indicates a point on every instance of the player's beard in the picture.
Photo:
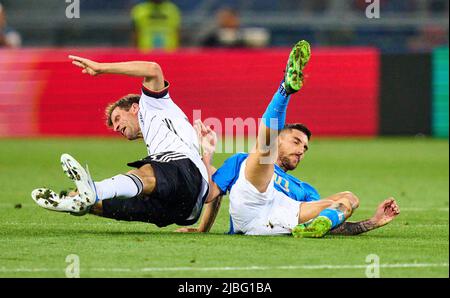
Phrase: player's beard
(287, 164)
(134, 136)
(132, 133)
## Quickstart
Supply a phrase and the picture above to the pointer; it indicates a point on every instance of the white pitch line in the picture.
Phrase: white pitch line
(249, 268)
(305, 267)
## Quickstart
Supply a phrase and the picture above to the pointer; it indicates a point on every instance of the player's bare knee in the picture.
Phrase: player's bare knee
(352, 198)
(147, 176)
(355, 203)
(344, 205)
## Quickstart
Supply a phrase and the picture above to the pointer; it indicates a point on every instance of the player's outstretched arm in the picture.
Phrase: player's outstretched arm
(209, 213)
(150, 71)
(384, 214)
(208, 141)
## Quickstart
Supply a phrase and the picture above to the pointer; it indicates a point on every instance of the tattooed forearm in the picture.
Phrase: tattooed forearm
(209, 214)
(353, 228)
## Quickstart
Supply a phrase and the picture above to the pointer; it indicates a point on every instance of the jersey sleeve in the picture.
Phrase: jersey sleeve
(311, 193)
(228, 173)
(158, 101)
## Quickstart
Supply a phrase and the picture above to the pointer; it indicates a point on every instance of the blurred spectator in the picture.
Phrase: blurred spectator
(429, 38)
(438, 6)
(156, 25)
(228, 32)
(8, 37)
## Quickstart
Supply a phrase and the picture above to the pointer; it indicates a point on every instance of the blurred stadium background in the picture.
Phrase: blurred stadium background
(323, 22)
(369, 76)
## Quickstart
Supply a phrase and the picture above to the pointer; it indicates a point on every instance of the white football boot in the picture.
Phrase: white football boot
(48, 199)
(81, 178)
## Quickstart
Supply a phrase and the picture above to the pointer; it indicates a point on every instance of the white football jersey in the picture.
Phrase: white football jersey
(166, 128)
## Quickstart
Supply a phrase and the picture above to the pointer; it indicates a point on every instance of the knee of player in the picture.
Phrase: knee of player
(352, 198)
(149, 182)
(146, 175)
(344, 205)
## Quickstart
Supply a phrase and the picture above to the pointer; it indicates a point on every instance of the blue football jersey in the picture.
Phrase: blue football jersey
(228, 173)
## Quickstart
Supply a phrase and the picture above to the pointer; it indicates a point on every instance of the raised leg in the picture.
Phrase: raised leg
(260, 163)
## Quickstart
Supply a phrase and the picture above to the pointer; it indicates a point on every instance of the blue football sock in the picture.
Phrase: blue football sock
(336, 216)
(275, 115)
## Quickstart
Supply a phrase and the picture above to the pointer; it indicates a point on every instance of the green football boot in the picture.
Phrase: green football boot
(316, 229)
(298, 58)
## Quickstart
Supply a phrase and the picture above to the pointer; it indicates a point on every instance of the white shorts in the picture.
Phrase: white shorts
(256, 213)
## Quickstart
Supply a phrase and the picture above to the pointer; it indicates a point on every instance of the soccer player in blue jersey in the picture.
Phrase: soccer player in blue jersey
(264, 198)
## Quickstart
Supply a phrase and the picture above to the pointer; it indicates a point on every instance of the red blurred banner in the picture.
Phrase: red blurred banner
(43, 94)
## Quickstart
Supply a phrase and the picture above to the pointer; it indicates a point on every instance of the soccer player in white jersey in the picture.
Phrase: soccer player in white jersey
(264, 198)
(169, 186)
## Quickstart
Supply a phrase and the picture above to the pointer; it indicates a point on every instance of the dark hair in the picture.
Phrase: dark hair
(124, 103)
(298, 126)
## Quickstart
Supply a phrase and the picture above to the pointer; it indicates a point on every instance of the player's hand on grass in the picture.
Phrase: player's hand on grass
(187, 230)
(207, 137)
(90, 67)
(386, 212)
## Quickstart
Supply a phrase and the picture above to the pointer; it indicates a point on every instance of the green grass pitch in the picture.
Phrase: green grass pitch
(35, 242)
